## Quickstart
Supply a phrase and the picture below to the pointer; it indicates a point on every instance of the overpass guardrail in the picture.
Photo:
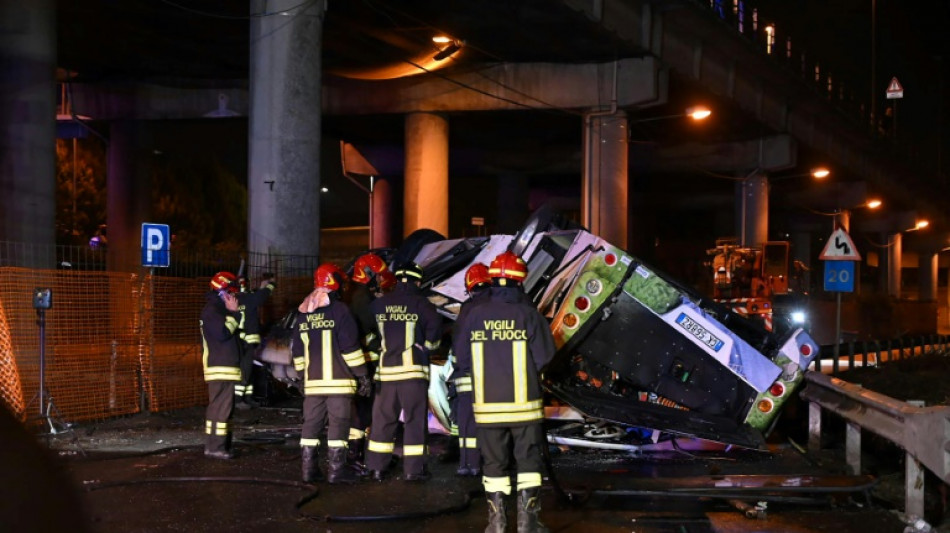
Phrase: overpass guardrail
(923, 432)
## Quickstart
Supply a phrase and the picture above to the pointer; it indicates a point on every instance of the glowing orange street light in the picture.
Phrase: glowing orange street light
(698, 112)
(820, 173)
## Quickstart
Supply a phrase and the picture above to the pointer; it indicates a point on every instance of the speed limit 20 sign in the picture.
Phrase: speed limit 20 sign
(839, 276)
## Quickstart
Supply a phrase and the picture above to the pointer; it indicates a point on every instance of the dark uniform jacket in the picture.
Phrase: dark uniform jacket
(503, 342)
(411, 328)
(248, 305)
(219, 348)
(327, 350)
(360, 300)
(463, 382)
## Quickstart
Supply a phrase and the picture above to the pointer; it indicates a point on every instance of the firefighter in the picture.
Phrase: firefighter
(410, 329)
(370, 278)
(503, 342)
(220, 359)
(477, 284)
(250, 335)
(327, 352)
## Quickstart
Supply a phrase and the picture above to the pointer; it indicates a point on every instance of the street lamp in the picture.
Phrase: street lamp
(843, 215)
(697, 113)
(920, 224)
(818, 173)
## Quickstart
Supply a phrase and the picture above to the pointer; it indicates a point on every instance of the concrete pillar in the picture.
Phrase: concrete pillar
(843, 220)
(512, 190)
(604, 202)
(381, 218)
(753, 209)
(283, 182)
(894, 250)
(928, 276)
(128, 192)
(28, 129)
(426, 194)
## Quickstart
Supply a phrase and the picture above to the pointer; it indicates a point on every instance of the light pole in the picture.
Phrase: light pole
(843, 215)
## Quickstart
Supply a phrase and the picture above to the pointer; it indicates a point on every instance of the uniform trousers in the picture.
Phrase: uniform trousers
(502, 444)
(410, 396)
(246, 362)
(469, 456)
(317, 410)
(218, 414)
(363, 408)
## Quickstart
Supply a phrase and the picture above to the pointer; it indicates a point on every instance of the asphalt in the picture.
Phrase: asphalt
(147, 473)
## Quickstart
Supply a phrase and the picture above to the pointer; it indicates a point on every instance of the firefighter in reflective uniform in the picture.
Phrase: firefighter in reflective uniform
(411, 329)
(370, 278)
(326, 350)
(250, 334)
(504, 342)
(220, 361)
(477, 283)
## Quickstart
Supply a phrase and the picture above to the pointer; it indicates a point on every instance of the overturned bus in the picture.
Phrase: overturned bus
(634, 347)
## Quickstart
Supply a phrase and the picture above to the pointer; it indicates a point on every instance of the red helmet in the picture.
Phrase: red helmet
(476, 276)
(387, 280)
(366, 268)
(508, 266)
(224, 281)
(328, 276)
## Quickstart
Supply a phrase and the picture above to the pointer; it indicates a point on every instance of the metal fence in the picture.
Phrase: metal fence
(869, 353)
(117, 343)
(184, 263)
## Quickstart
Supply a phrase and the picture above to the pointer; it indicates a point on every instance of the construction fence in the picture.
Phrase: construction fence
(116, 343)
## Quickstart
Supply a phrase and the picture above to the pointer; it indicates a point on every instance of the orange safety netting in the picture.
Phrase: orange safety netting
(112, 343)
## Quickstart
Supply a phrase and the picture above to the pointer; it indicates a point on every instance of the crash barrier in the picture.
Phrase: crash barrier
(113, 343)
(923, 432)
(869, 353)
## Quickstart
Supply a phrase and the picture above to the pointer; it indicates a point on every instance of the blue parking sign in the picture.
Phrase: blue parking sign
(839, 276)
(156, 239)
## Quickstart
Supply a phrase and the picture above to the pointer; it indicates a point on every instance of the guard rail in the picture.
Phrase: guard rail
(923, 432)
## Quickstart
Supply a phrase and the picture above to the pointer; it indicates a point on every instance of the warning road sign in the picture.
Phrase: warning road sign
(895, 89)
(840, 247)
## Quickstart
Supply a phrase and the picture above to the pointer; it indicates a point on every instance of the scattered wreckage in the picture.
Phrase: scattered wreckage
(638, 353)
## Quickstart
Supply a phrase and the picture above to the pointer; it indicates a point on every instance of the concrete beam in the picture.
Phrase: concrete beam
(508, 86)
(768, 154)
(145, 101)
(515, 86)
(511, 86)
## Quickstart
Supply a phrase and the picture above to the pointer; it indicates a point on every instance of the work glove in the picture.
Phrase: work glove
(364, 386)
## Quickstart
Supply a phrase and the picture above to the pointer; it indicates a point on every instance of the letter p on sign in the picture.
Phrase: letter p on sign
(156, 239)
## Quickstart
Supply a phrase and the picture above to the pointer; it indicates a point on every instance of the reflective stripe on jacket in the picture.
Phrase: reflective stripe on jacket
(410, 329)
(503, 342)
(327, 350)
(219, 348)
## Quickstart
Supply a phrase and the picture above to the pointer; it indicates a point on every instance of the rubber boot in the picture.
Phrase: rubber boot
(354, 456)
(497, 512)
(337, 472)
(310, 464)
(216, 447)
(529, 505)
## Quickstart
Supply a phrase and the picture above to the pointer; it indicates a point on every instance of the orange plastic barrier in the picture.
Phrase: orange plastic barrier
(115, 343)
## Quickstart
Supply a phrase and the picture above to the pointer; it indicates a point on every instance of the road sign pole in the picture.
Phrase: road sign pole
(894, 121)
(837, 325)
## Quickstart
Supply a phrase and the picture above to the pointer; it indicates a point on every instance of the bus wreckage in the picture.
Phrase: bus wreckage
(635, 349)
